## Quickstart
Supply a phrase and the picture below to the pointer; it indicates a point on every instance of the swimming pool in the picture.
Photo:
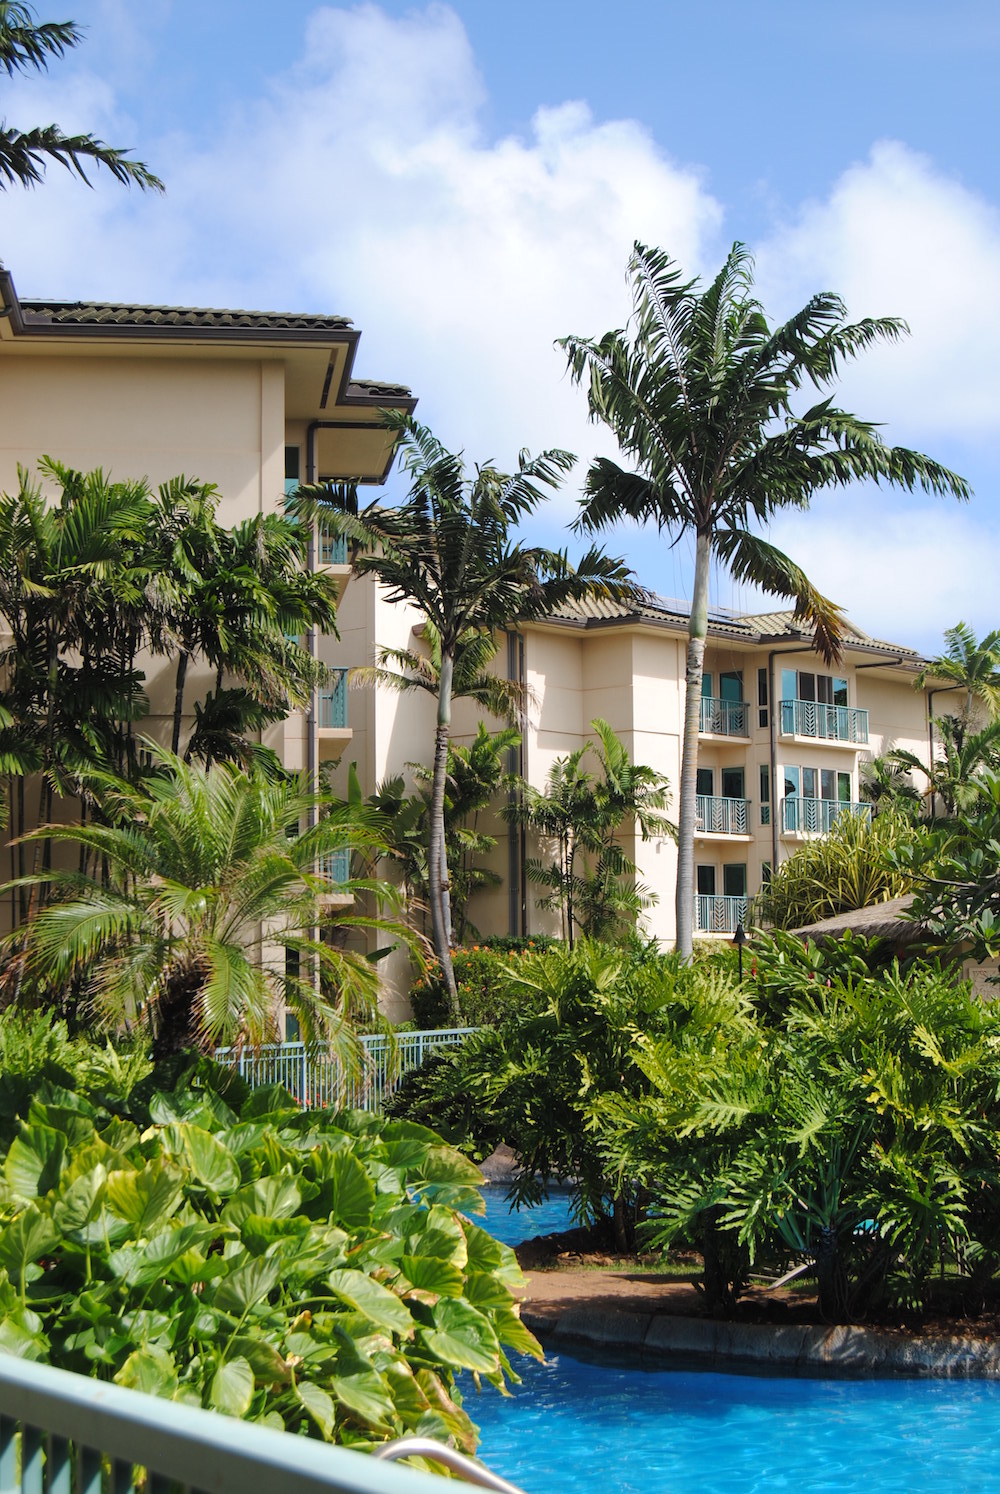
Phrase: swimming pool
(580, 1424)
(583, 1423)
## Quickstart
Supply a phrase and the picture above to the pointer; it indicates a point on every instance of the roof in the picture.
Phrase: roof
(753, 628)
(884, 920)
(110, 313)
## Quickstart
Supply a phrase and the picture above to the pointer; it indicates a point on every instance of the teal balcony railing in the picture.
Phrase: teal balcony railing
(831, 723)
(335, 866)
(719, 915)
(818, 816)
(67, 1434)
(319, 1079)
(333, 703)
(332, 548)
(723, 718)
(721, 816)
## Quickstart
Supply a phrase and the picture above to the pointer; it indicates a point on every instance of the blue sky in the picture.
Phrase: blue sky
(465, 180)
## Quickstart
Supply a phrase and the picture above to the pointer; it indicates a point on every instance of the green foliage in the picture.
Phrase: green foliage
(955, 867)
(221, 1247)
(485, 995)
(851, 867)
(582, 816)
(190, 864)
(28, 45)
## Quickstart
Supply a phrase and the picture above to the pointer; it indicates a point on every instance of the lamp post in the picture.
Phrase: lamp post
(739, 939)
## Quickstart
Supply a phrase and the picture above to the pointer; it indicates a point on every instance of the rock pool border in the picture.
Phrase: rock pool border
(840, 1350)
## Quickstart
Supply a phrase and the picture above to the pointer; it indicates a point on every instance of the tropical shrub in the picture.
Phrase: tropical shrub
(309, 1271)
(849, 868)
(485, 996)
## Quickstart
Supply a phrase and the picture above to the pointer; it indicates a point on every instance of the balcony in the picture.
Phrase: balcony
(827, 723)
(332, 557)
(721, 816)
(719, 915)
(335, 866)
(331, 718)
(723, 718)
(817, 816)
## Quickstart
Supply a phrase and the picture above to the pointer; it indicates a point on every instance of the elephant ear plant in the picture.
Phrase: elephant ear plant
(313, 1272)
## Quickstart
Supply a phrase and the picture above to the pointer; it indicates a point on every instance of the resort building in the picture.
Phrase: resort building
(255, 402)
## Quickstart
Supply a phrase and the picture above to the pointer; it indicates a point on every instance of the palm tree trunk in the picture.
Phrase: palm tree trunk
(697, 633)
(437, 852)
(182, 663)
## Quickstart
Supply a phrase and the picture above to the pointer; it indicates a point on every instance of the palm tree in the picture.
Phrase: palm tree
(700, 394)
(971, 666)
(405, 669)
(958, 774)
(25, 45)
(447, 550)
(203, 920)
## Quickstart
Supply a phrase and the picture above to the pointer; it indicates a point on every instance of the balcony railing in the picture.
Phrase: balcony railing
(335, 866)
(723, 718)
(817, 816)
(833, 723)
(61, 1432)
(333, 704)
(332, 548)
(721, 816)
(719, 915)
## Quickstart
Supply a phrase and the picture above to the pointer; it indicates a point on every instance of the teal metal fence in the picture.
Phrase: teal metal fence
(333, 703)
(66, 1434)
(318, 1079)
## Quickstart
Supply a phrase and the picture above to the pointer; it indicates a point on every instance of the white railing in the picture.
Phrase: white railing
(318, 1079)
(721, 816)
(723, 718)
(832, 723)
(719, 915)
(818, 816)
(68, 1434)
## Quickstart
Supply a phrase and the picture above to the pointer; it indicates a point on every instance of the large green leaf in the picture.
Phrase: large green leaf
(209, 1160)
(346, 1193)
(248, 1284)
(357, 1386)
(151, 1370)
(231, 1390)
(148, 1197)
(269, 1197)
(318, 1404)
(34, 1161)
(428, 1273)
(371, 1298)
(29, 1236)
(462, 1337)
(79, 1204)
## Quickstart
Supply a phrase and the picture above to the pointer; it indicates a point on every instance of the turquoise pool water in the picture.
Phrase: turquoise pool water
(583, 1424)
(578, 1425)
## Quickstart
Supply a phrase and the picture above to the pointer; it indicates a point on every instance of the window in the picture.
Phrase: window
(802, 684)
(706, 881)
(733, 783)
(706, 685)
(765, 793)
(705, 782)
(731, 685)
(734, 880)
(291, 469)
(762, 697)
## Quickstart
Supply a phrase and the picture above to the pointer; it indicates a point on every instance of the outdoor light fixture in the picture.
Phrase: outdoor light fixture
(739, 939)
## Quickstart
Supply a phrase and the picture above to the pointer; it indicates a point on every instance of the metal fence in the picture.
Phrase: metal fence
(319, 1080)
(723, 718)
(811, 718)
(715, 816)
(62, 1433)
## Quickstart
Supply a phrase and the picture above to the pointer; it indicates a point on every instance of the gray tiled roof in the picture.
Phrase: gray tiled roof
(751, 627)
(105, 314)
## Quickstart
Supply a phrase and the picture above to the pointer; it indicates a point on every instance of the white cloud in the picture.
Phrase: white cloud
(897, 237)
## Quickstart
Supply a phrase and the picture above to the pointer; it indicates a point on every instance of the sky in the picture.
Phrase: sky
(466, 181)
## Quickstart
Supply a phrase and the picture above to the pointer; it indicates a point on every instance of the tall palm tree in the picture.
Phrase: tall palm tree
(972, 666)
(207, 885)
(701, 395)
(26, 45)
(406, 669)
(967, 760)
(447, 550)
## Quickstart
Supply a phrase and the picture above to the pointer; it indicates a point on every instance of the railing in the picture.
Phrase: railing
(68, 1434)
(319, 1080)
(719, 915)
(332, 548)
(817, 816)
(723, 718)
(833, 723)
(333, 703)
(335, 866)
(721, 816)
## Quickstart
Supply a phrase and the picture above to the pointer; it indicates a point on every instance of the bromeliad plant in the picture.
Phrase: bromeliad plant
(309, 1271)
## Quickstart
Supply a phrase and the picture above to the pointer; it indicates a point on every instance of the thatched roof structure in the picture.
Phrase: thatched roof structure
(877, 921)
